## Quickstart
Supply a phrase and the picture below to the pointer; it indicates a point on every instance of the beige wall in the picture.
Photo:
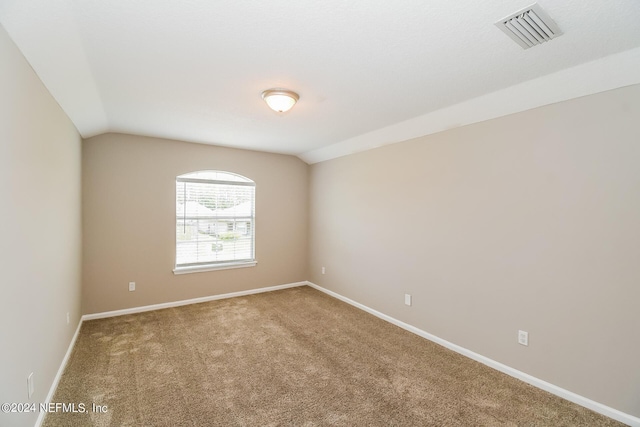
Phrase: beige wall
(530, 221)
(129, 220)
(40, 229)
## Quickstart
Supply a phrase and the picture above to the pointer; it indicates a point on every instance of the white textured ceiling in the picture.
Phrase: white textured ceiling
(369, 72)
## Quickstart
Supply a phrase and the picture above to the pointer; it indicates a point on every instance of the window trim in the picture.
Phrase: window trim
(219, 265)
(212, 267)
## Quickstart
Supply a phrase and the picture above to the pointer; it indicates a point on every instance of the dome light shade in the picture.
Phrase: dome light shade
(280, 100)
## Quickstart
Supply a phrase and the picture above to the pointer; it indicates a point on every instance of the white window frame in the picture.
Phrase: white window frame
(238, 180)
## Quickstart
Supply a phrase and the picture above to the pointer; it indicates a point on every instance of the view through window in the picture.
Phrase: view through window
(215, 217)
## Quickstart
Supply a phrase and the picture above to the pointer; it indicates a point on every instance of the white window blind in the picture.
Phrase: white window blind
(215, 217)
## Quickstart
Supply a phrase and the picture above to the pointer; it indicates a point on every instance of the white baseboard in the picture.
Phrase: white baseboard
(551, 388)
(56, 379)
(188, 301)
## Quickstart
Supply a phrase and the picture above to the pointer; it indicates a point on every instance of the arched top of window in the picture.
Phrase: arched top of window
(211, 175)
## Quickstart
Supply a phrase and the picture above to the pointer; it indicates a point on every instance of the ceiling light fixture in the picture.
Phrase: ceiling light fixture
(280, 100)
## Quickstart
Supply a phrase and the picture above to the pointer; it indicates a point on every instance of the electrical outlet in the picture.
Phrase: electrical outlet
(323, 270)
(132, 286)
(68, 318)
(523, 337)
(30, 385)
(407, 299)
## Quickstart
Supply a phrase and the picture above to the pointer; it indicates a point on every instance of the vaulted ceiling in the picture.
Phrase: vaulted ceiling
(368, 72)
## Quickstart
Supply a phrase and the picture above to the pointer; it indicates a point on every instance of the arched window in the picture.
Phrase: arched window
(215, 221)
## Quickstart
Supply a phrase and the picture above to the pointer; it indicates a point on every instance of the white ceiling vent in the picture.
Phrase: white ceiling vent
(529, 27)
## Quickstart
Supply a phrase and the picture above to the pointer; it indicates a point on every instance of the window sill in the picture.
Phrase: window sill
(202, 268)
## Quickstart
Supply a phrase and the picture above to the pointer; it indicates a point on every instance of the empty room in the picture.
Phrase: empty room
(295, 213)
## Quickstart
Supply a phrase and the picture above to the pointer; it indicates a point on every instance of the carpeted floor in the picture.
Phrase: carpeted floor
(292, 357)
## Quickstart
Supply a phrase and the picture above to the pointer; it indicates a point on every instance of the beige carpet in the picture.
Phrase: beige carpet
(292, 357)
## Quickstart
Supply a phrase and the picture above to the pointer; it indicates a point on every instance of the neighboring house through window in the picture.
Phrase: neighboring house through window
(215, 217)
